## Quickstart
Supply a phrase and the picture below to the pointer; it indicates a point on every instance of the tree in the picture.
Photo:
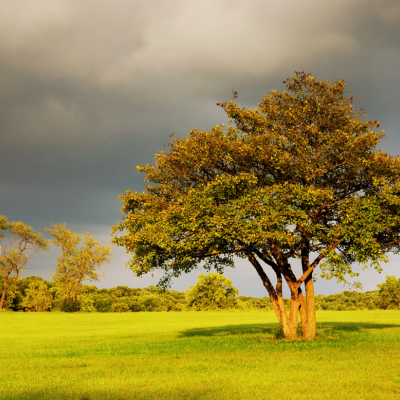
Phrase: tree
(211, 292)
(389, 292)
(24, 241)
(80, 258)
(298, 177)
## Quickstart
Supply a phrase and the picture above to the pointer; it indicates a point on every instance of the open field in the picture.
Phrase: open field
(197, 355)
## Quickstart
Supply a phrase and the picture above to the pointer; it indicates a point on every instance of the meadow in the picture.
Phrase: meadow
(197, 355)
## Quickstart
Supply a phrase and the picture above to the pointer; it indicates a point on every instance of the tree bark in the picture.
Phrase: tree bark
(294, 312)
(3, 295)
(310, 329)
(288, 327)
(310, 323)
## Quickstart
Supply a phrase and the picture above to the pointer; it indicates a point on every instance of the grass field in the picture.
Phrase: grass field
(197, 355)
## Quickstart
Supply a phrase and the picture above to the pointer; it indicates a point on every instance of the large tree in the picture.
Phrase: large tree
(23, 241)
(298, 177)
(80, 259)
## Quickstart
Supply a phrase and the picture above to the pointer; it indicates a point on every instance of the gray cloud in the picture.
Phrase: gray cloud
(89, 89)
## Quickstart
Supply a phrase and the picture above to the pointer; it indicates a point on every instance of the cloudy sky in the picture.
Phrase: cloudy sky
(91, 88)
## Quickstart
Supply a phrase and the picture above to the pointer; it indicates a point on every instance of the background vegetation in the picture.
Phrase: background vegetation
(36, 294)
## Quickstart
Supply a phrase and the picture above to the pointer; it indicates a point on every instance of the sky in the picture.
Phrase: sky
(91, 88)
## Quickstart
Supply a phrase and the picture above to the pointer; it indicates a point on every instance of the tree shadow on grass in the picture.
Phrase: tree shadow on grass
(270, 329)
(353, 326)
(145, 393)
(228, 330)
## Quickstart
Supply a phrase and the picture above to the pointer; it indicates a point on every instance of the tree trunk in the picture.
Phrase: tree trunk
(288, 326)
(275, 307)
(289, 329)
(3, 295)
(299, 305)
(294, 315)
(310, 327)
(303, 310)
(287, 323)
(309, 324)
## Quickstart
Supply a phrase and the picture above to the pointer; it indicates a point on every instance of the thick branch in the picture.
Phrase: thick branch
(309, 270)
(267, 283)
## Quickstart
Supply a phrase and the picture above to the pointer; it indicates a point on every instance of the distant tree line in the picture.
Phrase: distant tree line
(212, 292)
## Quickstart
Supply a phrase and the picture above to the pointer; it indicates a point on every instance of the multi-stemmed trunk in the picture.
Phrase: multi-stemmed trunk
(299, 305)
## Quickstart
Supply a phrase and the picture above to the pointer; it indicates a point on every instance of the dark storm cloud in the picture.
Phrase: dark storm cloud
(89, 89)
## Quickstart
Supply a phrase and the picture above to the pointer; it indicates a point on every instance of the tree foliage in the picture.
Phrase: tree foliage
(298, 177)
(211, 292)
(79, 261)
(3, 227)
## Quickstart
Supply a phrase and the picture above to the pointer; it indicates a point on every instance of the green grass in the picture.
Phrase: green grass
(204, 355)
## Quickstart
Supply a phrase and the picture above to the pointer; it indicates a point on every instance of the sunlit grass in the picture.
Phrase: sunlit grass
(197, 355)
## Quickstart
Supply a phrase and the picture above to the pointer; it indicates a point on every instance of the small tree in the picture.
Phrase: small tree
(211, 292)
(298, 177)
(389, 292)
(79, 261)
(23, 242)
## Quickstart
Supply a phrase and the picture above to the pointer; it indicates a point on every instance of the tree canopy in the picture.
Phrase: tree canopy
(298, 177)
